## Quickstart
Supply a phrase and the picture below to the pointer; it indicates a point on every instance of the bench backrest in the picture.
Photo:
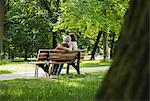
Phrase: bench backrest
(43, 54)
(60, 55)
(64, 56)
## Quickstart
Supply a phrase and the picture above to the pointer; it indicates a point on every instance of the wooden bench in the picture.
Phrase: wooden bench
(49, 57)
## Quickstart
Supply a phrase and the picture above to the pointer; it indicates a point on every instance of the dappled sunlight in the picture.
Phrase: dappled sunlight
(67, 87)
(24, 67)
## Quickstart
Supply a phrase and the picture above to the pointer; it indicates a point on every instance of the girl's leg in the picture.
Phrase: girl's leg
(60, 68)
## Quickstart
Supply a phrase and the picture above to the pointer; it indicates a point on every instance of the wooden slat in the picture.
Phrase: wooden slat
(59, 55)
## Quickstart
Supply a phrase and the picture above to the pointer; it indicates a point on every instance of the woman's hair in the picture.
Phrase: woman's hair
(73, 37)
(67, 39)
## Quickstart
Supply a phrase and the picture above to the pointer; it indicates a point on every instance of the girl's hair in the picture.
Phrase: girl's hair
(67, 39)
(73, 37)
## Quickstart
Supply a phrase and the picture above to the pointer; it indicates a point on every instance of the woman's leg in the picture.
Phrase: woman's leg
(60, 68)
(55, 69)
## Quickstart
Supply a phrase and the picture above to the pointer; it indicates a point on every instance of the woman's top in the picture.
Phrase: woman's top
(74, 45)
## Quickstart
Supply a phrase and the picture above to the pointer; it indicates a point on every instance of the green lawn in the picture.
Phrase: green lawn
(94, 63)
(65, 88)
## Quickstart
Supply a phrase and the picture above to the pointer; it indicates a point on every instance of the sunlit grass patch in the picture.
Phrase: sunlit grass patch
(95, 63)
(70, 87)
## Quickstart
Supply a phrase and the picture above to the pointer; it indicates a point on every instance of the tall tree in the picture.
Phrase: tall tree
(112, 44)
(128, 77)
(96, 45)
(105, 46)
(1, 25)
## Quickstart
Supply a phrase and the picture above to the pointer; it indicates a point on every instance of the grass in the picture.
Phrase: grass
(92, 63)
(65, 88)
(95, 63)
(5, 72)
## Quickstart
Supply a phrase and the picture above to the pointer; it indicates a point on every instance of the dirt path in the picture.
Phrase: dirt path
(27, 71)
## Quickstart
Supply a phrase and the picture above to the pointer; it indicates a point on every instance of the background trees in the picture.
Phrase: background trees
(30, 25)
(128, 78)
(89, 18)
(27, 27)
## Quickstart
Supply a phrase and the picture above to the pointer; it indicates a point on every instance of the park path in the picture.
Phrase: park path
(42, 74)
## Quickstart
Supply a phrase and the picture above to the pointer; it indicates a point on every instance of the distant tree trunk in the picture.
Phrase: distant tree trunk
(105, 46)
(96, 45)
(112, 44)
(128, 77)
(25, 55)
(54, 40)
(1, 26)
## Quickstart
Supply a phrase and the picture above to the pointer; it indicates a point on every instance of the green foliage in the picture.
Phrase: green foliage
(65, 88)
(29, 24)
(92, 15)
(4, 61)
(87, 17)
(27, 27)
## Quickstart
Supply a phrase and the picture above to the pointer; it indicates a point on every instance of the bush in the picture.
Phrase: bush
(3, 62)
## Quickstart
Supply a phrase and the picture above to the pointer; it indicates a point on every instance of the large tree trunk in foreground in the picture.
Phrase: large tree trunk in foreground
(128, 78)
(96, 45)
(1, 25)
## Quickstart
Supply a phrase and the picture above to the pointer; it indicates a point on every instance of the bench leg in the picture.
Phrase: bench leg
(76, 67)
(67, 69)
(36, 71)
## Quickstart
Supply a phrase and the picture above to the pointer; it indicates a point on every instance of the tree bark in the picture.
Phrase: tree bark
(105, 46)
(96, 45)
(25, 55)
(128, 77)
(1, 26)
(54, 40)
(112, 44)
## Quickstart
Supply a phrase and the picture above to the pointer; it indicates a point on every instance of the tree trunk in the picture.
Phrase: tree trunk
(112, 44)
(54, 40)
(25, 55)
(96, 45)
(1, 26)
(105, 46)
(128, 77)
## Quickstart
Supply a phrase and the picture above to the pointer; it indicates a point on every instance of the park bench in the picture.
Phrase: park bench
(50, 57)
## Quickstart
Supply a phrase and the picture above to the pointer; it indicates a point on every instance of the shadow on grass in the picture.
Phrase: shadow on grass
(70, 87)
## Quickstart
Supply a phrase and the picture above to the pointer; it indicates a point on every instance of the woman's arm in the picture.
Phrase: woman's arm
(70, 47)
